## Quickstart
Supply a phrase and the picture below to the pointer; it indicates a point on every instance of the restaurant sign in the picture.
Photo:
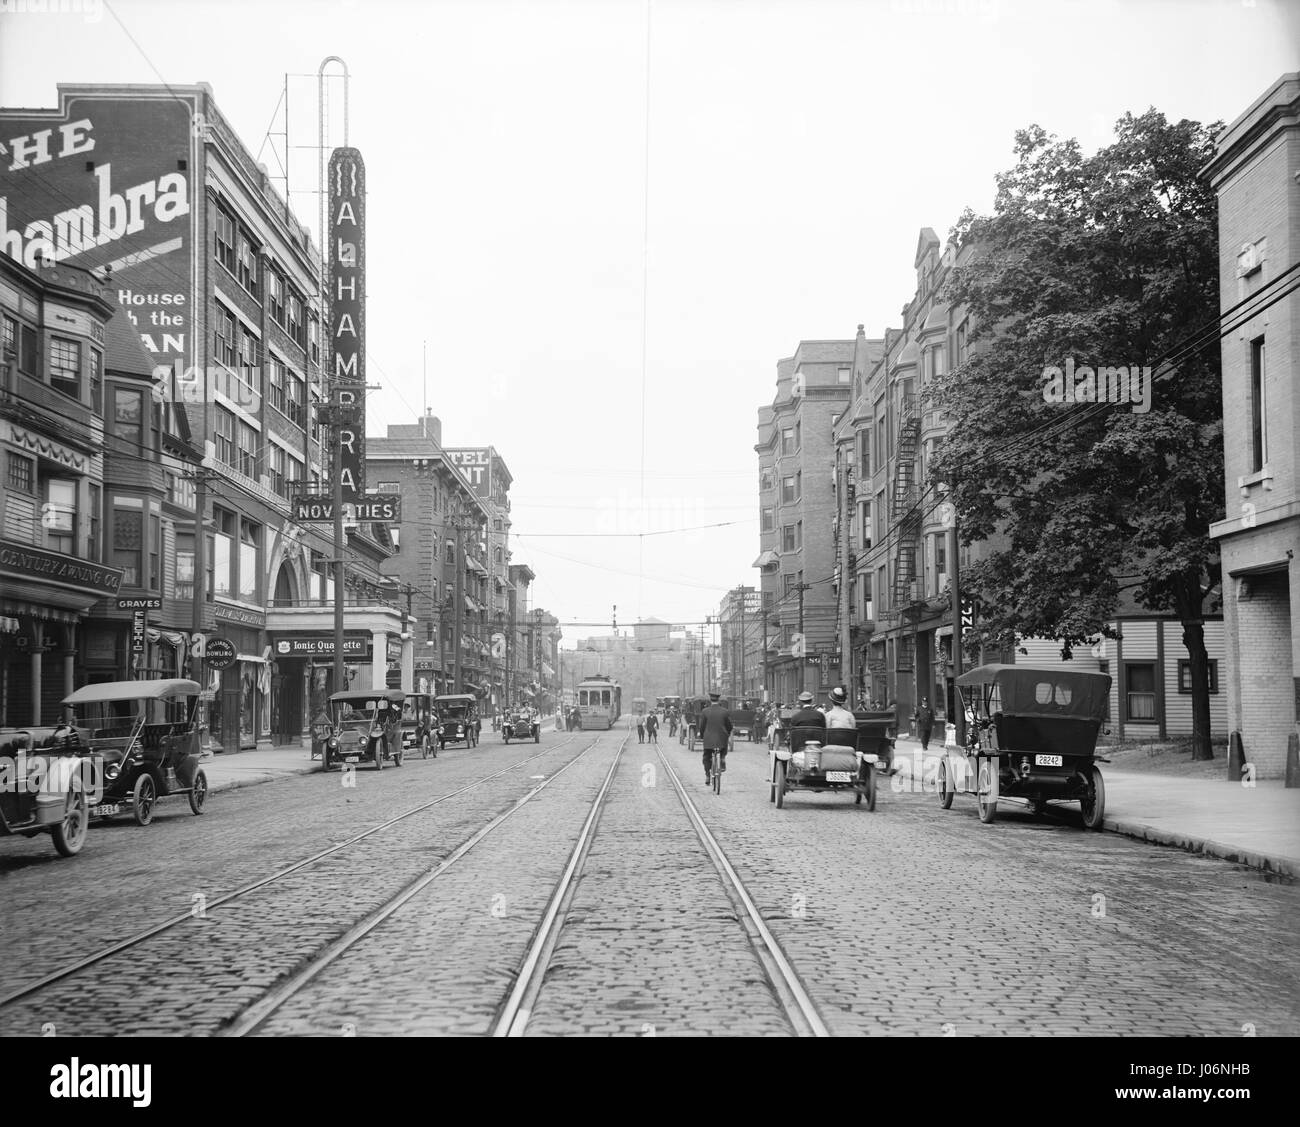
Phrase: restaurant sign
(53, 567)
(304, 646)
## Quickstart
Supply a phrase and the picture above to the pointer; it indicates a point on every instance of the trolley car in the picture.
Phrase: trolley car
(600, 701)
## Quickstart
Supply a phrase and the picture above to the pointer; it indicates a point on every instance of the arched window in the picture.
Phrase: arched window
(286, 587)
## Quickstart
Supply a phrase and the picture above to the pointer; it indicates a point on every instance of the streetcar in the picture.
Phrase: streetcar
(600, 701)
(638, 706)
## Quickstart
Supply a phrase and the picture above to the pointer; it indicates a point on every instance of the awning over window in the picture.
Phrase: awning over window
(470, 605)
(767, 559)
(475, 565)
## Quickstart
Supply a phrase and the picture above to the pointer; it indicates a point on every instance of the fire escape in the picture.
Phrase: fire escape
(905, 516)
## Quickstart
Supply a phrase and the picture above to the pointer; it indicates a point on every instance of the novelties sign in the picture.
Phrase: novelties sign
(104, 181)
(347, 202)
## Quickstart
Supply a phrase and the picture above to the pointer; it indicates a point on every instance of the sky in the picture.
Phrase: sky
(603, 223)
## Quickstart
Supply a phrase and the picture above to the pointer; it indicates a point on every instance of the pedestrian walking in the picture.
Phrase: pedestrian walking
(640, 729)
(924, 717)
(652, 728)
(715, 733)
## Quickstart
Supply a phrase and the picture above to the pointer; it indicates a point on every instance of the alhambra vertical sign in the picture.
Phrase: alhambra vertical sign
(347, 198)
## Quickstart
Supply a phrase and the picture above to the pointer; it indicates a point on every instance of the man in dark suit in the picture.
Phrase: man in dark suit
(806, 717)
(715, 732)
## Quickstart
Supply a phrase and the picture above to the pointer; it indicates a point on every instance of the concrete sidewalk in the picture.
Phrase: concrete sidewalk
(229, 770)
(1257, 825)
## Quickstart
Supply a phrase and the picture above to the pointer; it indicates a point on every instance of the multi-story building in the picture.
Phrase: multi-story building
(436, 496)
(52, 557)
(1256, 173)
(895, 614)
(796, 508)
(222, 283)
(740, 644)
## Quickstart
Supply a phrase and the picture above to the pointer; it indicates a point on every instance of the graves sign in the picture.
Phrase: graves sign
(347, 202)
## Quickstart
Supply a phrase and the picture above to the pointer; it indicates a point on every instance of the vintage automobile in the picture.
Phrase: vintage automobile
(521, 725)
(743, 721)
(144, 739)
(1032, 735)
(365, 725)
(49, 785)
(458, 719)
(832, 759)
(419, 725)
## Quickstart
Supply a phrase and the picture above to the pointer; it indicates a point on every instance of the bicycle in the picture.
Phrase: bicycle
(715, 771)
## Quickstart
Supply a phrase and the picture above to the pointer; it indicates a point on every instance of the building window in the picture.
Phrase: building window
(941, 553)
(278, 481)
(225, 238)
(450, 557)
(1258, 431)
(1185, 675)
(220, 549)
(275, 295)
(275, 376)
(787, 585)
(247, 450)
(845, 375)
(60, 515)
(249, 543)
(1139, 690)
(224, 433)
(128, 418)
(249, 359)
(787, 538)
(247, 264)
(787, 440)
(296, 407)
(866, 526)
(65, 366)
(880, 438)
(155, 553)
(296, 469)
(224, 337)
(19, 474)
(313, 339)
(183, 571)
(963, 347)
(787, 490)
(317, 433)
(769, 520)
(296, 327)
(96, 380)
(9, 346)
(128, 544)
(92, 525)
(864, 453)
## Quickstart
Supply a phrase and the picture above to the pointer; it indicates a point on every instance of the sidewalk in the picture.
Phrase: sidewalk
(231, 769)
(1257, 826)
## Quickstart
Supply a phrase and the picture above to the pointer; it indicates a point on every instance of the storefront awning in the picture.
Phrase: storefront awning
(470, 605)
(476, 566)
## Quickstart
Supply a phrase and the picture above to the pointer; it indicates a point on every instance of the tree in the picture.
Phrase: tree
(1100, 262)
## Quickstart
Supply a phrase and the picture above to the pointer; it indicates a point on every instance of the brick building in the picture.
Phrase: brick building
(1256, 173)
(796, 508)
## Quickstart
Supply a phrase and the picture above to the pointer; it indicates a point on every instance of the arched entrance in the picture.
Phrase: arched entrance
(289, 677)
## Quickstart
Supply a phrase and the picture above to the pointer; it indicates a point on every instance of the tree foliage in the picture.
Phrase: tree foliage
(1109, 259)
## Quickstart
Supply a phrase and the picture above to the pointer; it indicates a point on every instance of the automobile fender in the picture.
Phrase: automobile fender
(64, 772)
(783, 754)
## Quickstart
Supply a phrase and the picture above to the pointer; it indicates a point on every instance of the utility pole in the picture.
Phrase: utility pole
(458, 609)
(200, 586)
(742, 642)
(762, 610)
(954, 565)
(801, 587)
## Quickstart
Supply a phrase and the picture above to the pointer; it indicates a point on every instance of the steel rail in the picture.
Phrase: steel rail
(257, 1013)
(512, 1019)
(790, 992)
(253, 886)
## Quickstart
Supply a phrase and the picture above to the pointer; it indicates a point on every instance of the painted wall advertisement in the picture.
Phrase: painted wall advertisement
(347, 202)
(104, 182)
(476, 465)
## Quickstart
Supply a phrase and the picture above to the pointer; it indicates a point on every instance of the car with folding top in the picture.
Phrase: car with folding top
(48, 783)
(144, 738)
(365, 727)
(458, 719)
(816, 759)
(1031, 734)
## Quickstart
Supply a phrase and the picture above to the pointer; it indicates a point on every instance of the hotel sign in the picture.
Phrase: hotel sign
(347, 234)
(53, 567)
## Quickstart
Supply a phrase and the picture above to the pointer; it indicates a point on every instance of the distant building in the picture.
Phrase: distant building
(1256, 172)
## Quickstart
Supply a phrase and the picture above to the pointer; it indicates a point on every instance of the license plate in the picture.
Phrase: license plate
(353, 759)
(105, 811)
(1048, 761)
(839, 776)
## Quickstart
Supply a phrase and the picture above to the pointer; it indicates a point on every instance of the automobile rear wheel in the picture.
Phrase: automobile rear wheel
(988, 790)
(198, 793)
(771, 792)
(1093, 804)
(780, 783)
(537, 735)
(424, 748)
(945, 785)
(143, 798)
(70, 834)
(379, 756)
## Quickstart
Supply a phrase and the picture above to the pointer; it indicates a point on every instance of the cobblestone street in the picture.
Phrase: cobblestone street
(908, 920)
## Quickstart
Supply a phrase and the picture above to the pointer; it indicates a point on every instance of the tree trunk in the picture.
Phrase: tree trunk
(1194, 641)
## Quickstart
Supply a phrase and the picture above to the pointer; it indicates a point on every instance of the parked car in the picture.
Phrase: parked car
(365, 725)
(46, 772)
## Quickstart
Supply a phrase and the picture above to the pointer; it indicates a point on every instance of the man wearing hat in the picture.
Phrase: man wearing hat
(805, 717)
(838, 715)
(714, 732)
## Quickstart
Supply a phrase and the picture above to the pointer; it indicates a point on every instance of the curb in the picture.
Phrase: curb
(1264, 862)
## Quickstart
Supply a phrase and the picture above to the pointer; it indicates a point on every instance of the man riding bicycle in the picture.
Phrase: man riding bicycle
(715, 733)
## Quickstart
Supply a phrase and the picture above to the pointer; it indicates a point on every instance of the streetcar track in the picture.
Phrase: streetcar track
(253, 1016)
(789, 992)
(227, 898)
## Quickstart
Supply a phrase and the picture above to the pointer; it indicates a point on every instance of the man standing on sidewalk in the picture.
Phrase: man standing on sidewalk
(924, 717)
